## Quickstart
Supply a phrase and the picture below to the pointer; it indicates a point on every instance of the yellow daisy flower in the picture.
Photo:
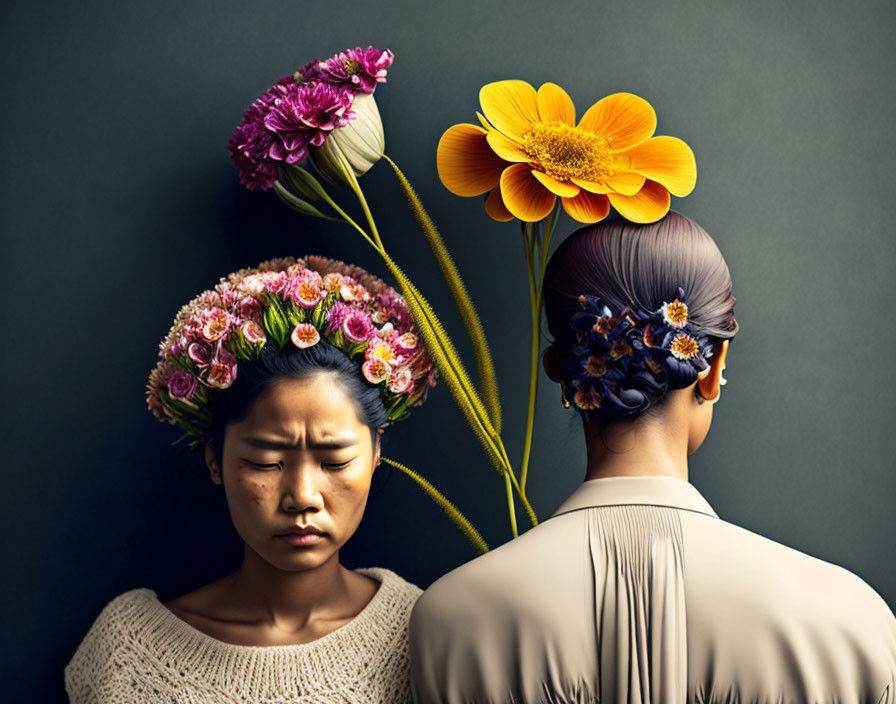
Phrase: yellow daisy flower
(529, 151)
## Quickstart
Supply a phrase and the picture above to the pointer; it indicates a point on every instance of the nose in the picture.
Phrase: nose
(301, 488)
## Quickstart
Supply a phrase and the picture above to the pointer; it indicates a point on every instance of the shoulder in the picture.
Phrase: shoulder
(394, 599)
(116, 629)
(523, 578)
(123, 613)
(790, 602)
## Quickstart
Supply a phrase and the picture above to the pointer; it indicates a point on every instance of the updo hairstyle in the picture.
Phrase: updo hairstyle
(641, 266)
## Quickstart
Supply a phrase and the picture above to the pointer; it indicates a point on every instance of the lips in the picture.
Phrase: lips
(300, 530)
(302, 536)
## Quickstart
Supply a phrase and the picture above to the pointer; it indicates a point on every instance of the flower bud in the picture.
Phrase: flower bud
(361, 141)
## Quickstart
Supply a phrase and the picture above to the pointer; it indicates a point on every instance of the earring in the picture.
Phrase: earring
(563, 399)
(702, 399)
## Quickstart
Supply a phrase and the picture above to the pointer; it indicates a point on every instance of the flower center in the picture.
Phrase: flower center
(351, 67)
(684, 347)
(566, 152)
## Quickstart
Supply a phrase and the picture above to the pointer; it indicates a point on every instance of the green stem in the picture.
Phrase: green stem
(349, 174)
(510, 504)
(536, 298)
(342, 213)
(533, 519)
(459, 519)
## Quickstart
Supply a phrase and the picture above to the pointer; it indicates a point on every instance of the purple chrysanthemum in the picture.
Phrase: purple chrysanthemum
(358, 69)
(251, 141)
(304, 115)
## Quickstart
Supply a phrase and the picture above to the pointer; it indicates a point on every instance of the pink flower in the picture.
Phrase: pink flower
(375, 370)
(378, 349)
(304, 115)
(393, 307)
(305, 335)
(177, 347)
(337, 315)
(357, 327)
(306, 289)
(199, 353)
(400, 381)
(358, 69)
(352, 292)
(182, 385)
(407, 342)
(222, 371)
(220, 376)
(251, 141)
(251, 309)
(212, 324)
(253, 332)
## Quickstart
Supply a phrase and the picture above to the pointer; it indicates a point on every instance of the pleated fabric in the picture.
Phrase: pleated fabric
(636, 555)
(635, 591)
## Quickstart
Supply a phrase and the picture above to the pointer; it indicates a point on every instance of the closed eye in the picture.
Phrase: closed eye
(342, 465)
(275, 465)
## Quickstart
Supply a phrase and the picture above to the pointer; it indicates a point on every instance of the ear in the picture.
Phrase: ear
(710, 379)
(376, 449)
(214, 469)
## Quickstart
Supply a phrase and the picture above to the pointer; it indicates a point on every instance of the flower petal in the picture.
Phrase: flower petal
(587, 207)
(667, 160)
(484, 122)
(495, 207)
(560, 188)
(591, 186)
(523, 194)
(623, 119)
(466, 164)
(506, 148)
(510, 106)
(625, 183)
(555, 104)
(648, 205)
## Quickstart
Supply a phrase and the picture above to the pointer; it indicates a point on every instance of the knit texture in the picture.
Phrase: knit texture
(137, 651)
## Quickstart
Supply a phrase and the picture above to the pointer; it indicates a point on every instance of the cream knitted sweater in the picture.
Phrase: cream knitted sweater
(139, 652)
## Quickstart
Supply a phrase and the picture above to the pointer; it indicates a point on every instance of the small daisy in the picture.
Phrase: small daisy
(675, 314)
(684, 347)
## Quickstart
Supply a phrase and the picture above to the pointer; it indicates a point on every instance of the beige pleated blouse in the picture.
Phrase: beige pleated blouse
(636, 591)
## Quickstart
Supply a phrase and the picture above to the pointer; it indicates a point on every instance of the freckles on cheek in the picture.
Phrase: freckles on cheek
(254, 491)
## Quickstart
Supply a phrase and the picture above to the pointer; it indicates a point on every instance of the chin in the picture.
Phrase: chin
(297, 559)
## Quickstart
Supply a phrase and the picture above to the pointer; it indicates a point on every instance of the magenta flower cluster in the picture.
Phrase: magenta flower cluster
(300, 111)
(301, 301)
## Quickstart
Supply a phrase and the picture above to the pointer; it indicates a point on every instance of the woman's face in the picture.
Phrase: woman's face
(297, 471)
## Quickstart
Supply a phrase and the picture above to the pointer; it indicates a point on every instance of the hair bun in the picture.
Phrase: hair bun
(624, 362)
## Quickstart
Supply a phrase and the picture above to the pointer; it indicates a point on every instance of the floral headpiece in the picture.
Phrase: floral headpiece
(623, 361)
(300, 113)
(287, 302)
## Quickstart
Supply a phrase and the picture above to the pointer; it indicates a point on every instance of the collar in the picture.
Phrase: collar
(650, 490)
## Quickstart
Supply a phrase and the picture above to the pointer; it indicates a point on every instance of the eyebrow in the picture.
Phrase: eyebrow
(335, 444)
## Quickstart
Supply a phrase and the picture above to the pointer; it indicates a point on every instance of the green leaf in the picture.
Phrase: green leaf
(302, 180)
(319, 313)
(275, 321)
(359, 347)
(294, 314)
(299, 205)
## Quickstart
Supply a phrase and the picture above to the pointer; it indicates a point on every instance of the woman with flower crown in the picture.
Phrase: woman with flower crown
(635, 590)
(284, 376)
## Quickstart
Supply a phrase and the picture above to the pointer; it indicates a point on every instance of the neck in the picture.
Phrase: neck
(654, 446)
(295, 597)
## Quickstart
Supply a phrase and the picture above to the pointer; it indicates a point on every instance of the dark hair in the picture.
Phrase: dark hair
(642, 266)
(232, 404)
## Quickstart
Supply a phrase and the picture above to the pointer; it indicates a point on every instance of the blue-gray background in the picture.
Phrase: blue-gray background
(119, 204)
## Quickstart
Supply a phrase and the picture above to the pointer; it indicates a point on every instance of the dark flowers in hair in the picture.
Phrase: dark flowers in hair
(623, 361)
